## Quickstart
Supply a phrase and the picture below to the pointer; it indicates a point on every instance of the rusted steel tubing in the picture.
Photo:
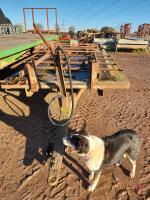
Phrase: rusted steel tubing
(32, 16)
(46, 43)
(47, 19)
(56, 21)
(60, 75)
(25, 25)
(39, 8)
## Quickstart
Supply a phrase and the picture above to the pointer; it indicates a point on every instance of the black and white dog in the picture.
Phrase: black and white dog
(99, 152)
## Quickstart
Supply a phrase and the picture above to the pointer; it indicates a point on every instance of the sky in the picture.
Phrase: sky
(82, 14)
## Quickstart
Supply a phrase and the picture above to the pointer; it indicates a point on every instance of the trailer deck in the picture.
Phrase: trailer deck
(14, 48)
(91, 67)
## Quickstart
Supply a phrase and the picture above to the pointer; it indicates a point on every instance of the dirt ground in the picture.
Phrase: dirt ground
(25, 132)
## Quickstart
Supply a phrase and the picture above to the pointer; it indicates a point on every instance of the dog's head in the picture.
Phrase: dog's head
(79, 143)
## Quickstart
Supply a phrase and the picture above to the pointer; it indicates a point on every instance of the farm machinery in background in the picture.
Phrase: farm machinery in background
(137, 40)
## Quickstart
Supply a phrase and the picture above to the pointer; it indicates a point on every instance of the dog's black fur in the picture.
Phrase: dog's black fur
(102, 151)
(116, 145)
(80, 143)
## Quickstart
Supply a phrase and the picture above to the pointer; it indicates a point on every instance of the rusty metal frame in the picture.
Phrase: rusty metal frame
(47, 18)
(101, 64)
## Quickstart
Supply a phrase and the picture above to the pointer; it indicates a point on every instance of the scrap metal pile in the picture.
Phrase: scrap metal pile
(144, 31)
(125, 30)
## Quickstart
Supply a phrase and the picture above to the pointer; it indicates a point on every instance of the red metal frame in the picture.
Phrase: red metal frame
(47, 17)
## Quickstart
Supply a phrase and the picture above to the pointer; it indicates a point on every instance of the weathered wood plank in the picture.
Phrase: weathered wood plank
(32, 77)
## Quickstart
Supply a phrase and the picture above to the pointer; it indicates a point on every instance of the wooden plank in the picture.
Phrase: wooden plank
(22, 61)
(32, 77)
(107, 69)
(78, 57)
(54, 68)
(113, 85)
(132, 42)
(79, 51)
(94, 73)
(41, 59)
(79, 47)
(77, 97)
(15, 86)
(48, 85)
(125, 46)
(76, 84)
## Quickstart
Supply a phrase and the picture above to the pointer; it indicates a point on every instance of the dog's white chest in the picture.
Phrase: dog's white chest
(95, 157)
(93, 164)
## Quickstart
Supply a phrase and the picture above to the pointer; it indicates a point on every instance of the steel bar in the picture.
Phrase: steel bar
(56, 21)
(24, 15)
(32, 10)
(40, 8)
(47, 19)
(32, 16)
(60, 76)
(44, 40)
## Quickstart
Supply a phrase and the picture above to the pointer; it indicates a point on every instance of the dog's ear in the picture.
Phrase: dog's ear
(82, 144)
(83, 130)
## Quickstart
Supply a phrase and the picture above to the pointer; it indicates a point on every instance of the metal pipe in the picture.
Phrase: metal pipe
(47, 19)
(39, 8)
(32, 9)
(25, 26)
(56, 20)
(46, 43)
(33, 16)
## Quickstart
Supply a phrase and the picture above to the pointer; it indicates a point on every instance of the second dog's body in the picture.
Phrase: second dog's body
(99, 152)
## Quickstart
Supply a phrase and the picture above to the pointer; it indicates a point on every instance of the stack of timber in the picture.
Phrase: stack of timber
(134, 43)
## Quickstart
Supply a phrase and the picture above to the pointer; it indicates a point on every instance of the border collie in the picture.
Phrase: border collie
(98, 152)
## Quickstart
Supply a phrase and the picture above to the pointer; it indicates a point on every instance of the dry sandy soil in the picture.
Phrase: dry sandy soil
(25, 132)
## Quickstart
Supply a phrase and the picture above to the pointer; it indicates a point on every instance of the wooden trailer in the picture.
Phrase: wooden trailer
(63, 69)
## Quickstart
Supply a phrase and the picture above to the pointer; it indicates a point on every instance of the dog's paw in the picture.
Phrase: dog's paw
(125, 155)
(117, 164)
(91, 188)
(132, 174)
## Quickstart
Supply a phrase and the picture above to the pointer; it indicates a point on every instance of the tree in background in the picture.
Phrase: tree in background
(92, 30)
(72, 31)
(107, 29)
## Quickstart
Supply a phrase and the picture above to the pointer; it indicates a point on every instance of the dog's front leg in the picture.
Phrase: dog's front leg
(91, 176)
(92, 187)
